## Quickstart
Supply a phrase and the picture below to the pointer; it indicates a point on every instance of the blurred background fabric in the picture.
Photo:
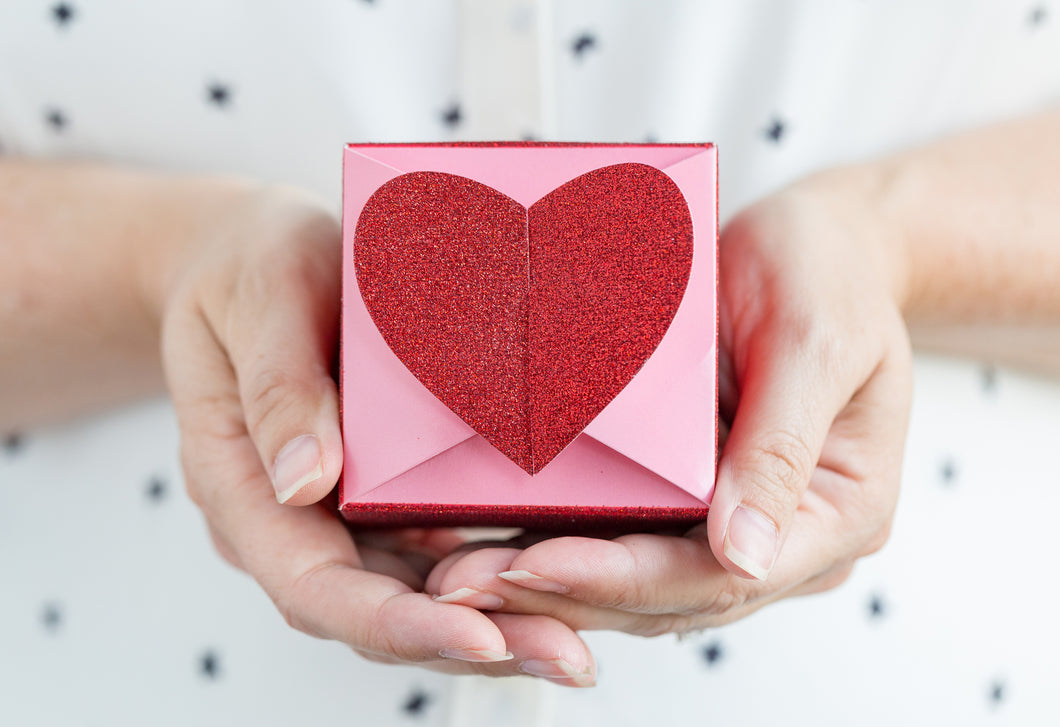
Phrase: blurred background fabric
(114, 609)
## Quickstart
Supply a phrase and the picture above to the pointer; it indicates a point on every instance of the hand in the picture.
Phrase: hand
(250, 326)
(815, 381)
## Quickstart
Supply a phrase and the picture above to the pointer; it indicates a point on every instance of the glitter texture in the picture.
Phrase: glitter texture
(610, 255)
(525, 323)
(565, 518)
(441, 264)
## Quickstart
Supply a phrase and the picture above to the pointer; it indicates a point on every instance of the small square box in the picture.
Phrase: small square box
(529, 334)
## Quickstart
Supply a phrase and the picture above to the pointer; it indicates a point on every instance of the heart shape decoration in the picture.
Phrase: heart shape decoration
(526, 323)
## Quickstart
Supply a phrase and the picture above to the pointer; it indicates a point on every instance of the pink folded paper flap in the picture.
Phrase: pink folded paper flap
(652, 446)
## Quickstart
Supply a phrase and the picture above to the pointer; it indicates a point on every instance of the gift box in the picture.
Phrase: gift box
(529, 334)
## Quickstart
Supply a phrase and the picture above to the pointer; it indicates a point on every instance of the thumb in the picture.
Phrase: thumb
(786, 408)
(283, 325)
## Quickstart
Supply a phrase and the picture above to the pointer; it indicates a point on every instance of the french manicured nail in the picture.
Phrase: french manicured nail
(472, 597)
(298, 463)
(559, 671)
(751, 542)
(478, 655)
(531, 580)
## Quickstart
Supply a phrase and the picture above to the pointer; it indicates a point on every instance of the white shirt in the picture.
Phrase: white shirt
(114, 608)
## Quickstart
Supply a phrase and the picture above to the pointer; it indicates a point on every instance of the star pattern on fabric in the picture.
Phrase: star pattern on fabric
(51, 617)
(997, 692)
(156, 489)
(988, 378)
(57, 120)
(417, 702)
(209, 665)
(63, 14)
(582, 44)
(219, 94)
(59, 619)
(452, 116)
(12, 443)
(776, 130)
(948, 472)
(713, 653)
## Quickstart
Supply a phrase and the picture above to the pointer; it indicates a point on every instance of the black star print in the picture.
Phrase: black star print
(988, 378)
(209, 665)
(997, 693)
(52, 617)
(417, 702)
(1037, 16)
(156, 489)
(57, 120)
(62, 13)
(948, 472)
(452, 116)
(12, 443)
(582, 44)
(776, 130)
(713, 653)
(876, 607)
(218, 94)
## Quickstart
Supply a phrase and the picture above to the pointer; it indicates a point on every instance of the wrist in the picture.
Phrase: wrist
(864, 200)
(190, 216)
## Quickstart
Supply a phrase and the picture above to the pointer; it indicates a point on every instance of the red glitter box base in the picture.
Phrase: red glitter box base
(529, 335)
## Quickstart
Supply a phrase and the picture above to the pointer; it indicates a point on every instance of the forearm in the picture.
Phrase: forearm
(971, 227)
(86, 252)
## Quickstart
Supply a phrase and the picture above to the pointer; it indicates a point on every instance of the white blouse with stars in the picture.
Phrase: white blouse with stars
(115, 611)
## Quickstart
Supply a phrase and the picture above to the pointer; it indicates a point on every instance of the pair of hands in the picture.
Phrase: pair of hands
(815, 385)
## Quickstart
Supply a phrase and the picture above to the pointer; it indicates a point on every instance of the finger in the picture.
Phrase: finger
(471, 578)
(712, 602)
(303, 557)
(861, 464)
(543, 647)
(791, 391)
(279, 327)
(390, 564)
(644, 574)
(223, 548)
(840, 518)
(434, 542)
(824, 582)
(647, 575)
(306, 562)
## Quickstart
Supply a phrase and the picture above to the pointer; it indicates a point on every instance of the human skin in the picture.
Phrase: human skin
(211, 280)
(111, 277)
(958, 242)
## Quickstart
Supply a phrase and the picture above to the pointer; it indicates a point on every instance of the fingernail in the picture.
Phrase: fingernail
(559, 672)
(475, 655)
(531, 580)
(298, 463)
(472, 597)
(751, 542)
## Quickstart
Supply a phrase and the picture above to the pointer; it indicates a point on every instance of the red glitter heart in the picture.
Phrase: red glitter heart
(525, 323)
